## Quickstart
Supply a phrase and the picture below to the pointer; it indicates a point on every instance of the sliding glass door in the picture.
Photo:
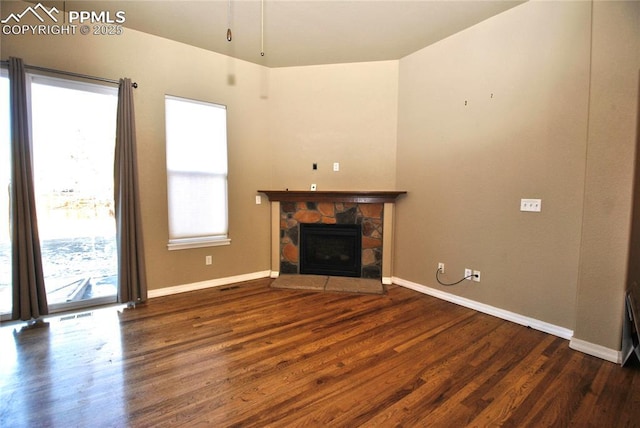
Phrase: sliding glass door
(73, 147)
(73, 133)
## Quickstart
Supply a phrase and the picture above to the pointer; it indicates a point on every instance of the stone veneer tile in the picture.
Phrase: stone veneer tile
(287, 207)
(306, 216)
(372, 227)
(348, 216)
(368, 257)
(327, 209)
(290, 253)
(368, 242)
(329, 220)
(289, 223)
(371, 210)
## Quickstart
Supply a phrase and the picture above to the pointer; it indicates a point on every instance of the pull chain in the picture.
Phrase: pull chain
(229, 36)
(262, 28)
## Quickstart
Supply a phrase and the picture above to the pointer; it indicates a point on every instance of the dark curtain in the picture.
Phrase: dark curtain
(29, 294)
(132, 281)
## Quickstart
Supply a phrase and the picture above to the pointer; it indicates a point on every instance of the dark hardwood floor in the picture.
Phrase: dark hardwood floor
(252, 356)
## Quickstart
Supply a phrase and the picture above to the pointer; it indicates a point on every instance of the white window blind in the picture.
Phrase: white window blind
(196, 134)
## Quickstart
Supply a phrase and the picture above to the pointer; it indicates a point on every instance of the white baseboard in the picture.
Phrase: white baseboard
(555, 330)
(596, 350)
(274, 274)
(207, 284)
(592, 349)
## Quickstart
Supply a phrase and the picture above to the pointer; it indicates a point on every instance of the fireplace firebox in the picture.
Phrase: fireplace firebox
(331, 249)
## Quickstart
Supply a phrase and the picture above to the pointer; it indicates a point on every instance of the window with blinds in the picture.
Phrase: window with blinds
(196, 140)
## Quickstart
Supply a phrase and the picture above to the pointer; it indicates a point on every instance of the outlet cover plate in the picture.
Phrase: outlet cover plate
(531, 205)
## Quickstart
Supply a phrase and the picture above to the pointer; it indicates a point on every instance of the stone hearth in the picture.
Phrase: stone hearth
(328, 283)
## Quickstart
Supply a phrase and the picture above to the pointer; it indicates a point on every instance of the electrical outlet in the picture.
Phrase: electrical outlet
(476, 275)
(258, 199)
(468, 274)
(208, 260)
(531, 205)
(441, 267)
(313, 187)
(336, 166)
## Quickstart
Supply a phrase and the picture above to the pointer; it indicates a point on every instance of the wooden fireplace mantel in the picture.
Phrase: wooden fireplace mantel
(354, 196)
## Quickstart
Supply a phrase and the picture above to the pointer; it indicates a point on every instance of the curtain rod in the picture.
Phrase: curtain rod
(69, 73)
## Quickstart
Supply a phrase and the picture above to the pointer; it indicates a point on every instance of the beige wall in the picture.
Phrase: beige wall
(344, 113)
(613, 132)
(526, 132)
(162, 67)
(524, 77)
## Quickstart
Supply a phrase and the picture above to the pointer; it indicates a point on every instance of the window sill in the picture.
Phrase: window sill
(185, 244)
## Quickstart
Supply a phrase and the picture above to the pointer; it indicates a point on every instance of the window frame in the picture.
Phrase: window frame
(202, 240)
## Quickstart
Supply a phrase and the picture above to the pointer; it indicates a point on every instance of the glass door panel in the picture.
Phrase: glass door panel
(73, 144)
(5, 176)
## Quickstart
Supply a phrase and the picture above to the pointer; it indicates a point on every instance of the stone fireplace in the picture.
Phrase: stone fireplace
(367, 216)
(371, 211)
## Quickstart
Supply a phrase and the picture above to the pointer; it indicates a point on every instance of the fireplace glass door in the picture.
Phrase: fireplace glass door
(331, 249)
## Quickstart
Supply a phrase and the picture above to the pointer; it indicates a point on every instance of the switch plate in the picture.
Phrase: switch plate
(531, 205)
(208, 260)
(336, 166)
(258, 199)
(467, 274)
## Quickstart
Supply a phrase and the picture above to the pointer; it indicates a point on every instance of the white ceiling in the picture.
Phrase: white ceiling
(302, 32)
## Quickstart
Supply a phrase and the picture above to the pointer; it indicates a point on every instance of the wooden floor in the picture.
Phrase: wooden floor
(252, 356)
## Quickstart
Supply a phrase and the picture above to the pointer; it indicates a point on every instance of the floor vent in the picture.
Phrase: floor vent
(71, 317)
